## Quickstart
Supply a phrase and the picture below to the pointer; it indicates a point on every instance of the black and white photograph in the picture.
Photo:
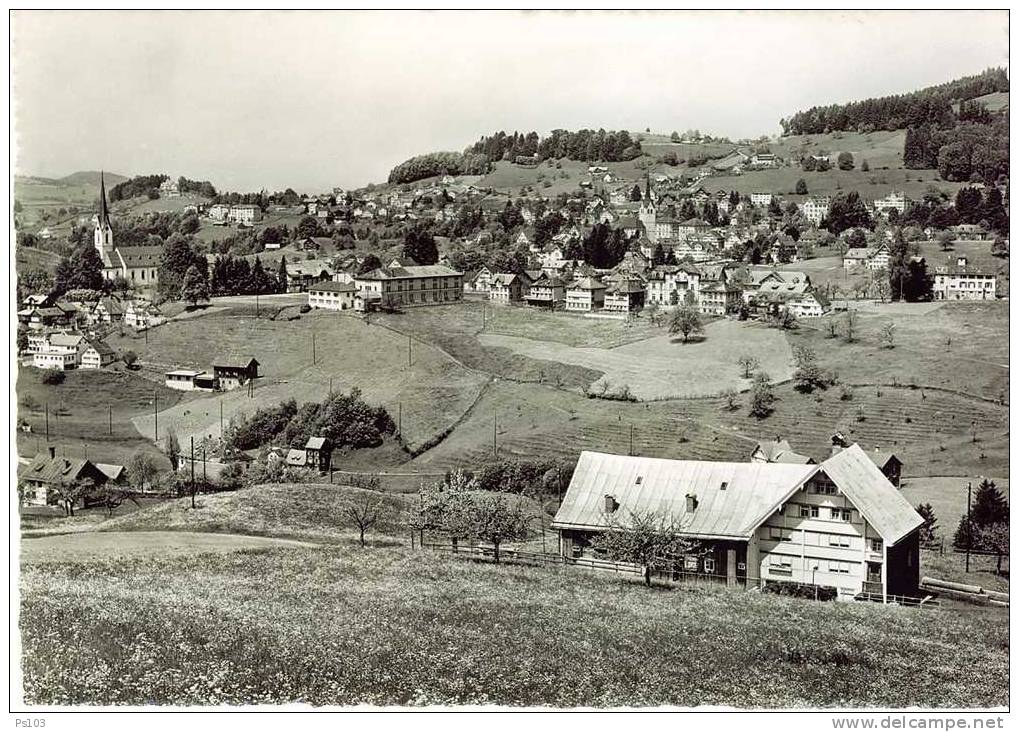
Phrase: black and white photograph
(506, 360)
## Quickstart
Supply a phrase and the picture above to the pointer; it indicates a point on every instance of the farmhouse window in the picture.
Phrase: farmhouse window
(709, 565)
(690, 563)
(815, 512)
(804, 511)
(876, 545)
(839, 541)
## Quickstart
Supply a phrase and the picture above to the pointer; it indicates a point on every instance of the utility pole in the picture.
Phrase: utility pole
(631, 440)
(969, 523)
(204, 478)
(256, 305)
(495, 435)
(111, 419)
(221, 418)
(192, 471)
(47, 421)
(155, 412)
(408, 351)
(314, 358)
(330, 387)
(399, 419)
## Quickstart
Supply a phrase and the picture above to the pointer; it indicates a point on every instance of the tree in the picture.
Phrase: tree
(129, 358)
(81, 270)
(762, 397)
(888, 335)
(281, 275)
(366, 510)
(686, 321)
(865, 166)
(419, 245)
(731, 397)
(646, 538)
(999, 248)
(845, 161)
(944, 240)
(849, 326)
(652, 310)
(635, 194)
(748, 364)
(111, 497)
(847, 211)
(307, 226)
(808, 374)
(929, 529)
(194, 289)
(172, 449)
(142, 469)
(369, 263)
(801, 187)
(989, 505)
(68, 493)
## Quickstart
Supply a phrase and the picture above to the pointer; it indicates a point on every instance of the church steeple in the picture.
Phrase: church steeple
(102, 237)
(104, 214)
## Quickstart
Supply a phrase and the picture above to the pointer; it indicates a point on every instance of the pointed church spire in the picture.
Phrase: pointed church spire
(647, 187)
(104, 214)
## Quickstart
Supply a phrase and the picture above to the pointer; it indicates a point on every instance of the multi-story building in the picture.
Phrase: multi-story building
(719, 298)
(625, 296)
(964, 282)
(509, 287)
(246, 214)
(894, 201)
(332, 295)
(761, 199)
(585, 295)
(815, 209)
(840, 525)
(547, 291)
(668, 284)
(431, 284)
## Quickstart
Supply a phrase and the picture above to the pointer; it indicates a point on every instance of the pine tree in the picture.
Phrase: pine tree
(281, 275)
(989, 505)
(929, 530)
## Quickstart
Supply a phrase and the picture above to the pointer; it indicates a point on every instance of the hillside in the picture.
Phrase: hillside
(340, 625)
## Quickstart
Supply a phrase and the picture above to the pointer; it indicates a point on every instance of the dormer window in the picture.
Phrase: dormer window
(610, 504)
(691, 503)
(639, 479)
(725, 484)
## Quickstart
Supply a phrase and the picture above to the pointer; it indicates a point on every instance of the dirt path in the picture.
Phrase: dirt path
(94, 545)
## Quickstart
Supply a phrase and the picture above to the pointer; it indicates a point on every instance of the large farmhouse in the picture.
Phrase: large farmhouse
(840, 524)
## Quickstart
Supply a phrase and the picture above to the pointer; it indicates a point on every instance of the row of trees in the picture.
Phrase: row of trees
(346, 419)
(439, 163)
(928, 106)
(587, 145)
(234, 276)
(967, 151)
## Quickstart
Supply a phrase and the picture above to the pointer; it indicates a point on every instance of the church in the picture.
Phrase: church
(138, 265)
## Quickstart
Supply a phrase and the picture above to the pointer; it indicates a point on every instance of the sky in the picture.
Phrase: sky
(313, 100)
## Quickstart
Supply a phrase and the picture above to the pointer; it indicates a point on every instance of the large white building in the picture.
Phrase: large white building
(963, 282)
(815, 209)
(332, 295)
(894, 201)
(839, 525)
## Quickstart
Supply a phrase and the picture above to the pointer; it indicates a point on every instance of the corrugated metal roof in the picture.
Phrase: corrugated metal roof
(732, 498)
(880, 502)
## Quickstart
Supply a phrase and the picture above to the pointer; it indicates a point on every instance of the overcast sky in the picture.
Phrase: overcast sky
(310, 100)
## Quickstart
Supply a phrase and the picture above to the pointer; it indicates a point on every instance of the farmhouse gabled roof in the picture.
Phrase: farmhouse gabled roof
(315, 443)
(732, 498)
(856, 475)
(235, 362)
(780, 451)
(587, 283)
(332, 287)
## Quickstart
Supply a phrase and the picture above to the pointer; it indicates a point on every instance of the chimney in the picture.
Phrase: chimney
(961, 261)
(691, 503)
(53, 452)
(610, 504)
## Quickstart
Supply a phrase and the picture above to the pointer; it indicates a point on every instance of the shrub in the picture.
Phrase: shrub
(53, 378)
(846, 393)
(796, 589)
(305, 308)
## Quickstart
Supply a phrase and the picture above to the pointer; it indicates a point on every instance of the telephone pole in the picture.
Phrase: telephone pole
(408, 351)
(631, 439)
(495, 435)
(221, 418)
(969, 523)
(47, 421)
(155, 412)
(399, 419)
(111, 419)
(314, 358)
(192, 471)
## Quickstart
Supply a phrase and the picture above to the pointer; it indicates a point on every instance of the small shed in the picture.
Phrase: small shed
(319, 453)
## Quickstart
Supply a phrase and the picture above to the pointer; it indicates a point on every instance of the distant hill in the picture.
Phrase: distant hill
(86, 177)
(929, 106)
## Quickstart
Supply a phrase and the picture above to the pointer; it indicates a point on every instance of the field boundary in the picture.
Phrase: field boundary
(943, 389)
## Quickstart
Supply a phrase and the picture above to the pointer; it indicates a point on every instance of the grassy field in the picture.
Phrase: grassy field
(79, 413)
(558, 327)
(433, 391)
(26, 258)
(306, 511)
(870, 185)
(957, 345)
(663, 367)
(947, 497)
(341, 626)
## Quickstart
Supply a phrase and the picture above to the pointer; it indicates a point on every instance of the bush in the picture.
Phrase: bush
(305, 308)
(795, 589)
(53, 378)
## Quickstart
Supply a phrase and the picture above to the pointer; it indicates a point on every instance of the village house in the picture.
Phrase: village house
(58, 315)
(218, 211)
(585, 295)
(509, 287)
(246, 214)
(430, 284)
(59, 351)
(302, 274)
(42, 480)
(815, 209)
(840, 524)
(480, 282)
(233, 372)
(971, 232)
(778, 451)
(190, 380)
(169, 189)
(141, 314)
(332, 295)
(626, 295)
(761, 199)
(96, 354)
(894, 201)
(318, 453)
(719, 298)
(668, 284)
(798, 298)
(961, 281)
(547, 291)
